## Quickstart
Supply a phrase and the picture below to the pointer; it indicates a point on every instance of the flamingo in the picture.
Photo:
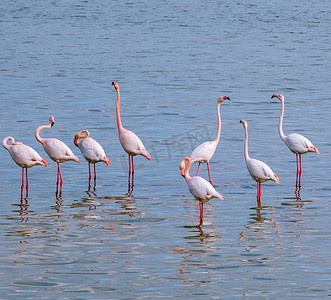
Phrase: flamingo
(92, 151)
(24, 156)
(259, 170)
(297, 143)
(129, 141)
(204, 152)
(200, 188)
(56, 150)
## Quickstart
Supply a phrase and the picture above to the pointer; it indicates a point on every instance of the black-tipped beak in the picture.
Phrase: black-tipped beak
(76, 142)
(112, 83)
(52, 124)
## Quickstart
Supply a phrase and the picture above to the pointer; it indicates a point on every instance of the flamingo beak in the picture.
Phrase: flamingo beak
(76, 142)
(315, 149)
(182, 172)
(45, 163)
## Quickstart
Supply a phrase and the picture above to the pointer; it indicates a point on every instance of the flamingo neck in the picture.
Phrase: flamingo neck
(118, 113)
(246, 145)
(5, 142)
(187, 168)
(40, 128)
(280, 126)
(218, 132)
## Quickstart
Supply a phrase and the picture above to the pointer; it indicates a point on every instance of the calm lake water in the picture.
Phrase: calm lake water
(172, 60)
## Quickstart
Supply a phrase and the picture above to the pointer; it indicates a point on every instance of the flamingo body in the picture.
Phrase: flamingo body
(132, 144)
(201, 189)
(58, 151)
(260, 171)
(204, 152)
(299, 144)
(23, 155)
(90, 148)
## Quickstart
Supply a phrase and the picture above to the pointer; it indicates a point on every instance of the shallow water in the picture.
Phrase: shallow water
(172, 61)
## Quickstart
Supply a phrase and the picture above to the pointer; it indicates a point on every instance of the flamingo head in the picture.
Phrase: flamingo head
(182, 167)
(279, 96)
(51, 120)
(81, 135)
(115, 84)
(221, 99)
(243, 122)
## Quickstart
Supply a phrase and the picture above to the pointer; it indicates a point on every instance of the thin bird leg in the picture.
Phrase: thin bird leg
(129, 177)
(201, 212)
(95, 177)
(27, 183)
(132, 175)
(89, 176)
(198, 169)
(22, 186)
(211, 182)
(258, 197)
(59, 178)
(300, 170)
(297, 175)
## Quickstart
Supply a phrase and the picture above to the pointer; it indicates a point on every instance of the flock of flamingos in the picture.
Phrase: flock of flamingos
(201, 189)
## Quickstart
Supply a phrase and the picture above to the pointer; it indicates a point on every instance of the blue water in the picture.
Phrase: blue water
(172, 61)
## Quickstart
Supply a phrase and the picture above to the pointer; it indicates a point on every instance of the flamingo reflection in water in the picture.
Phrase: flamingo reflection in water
(25, 157)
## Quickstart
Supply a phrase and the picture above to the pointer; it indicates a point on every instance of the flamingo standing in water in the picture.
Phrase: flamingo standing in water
(200, 188)
(92, 151)
(57, 151)
(204, 152)
(297, 143)
(129, 141)
(24, 156)
(259, 170)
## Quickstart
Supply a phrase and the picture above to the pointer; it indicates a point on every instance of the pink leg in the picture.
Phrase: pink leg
(27, 183)
(211, 182)
(22, 186)
(300, 170)
(132, 174)
(297, 175)
(59, 179)
(201, 212)
(89, 176)
(95, 177)
(198, 169)
(258, 198)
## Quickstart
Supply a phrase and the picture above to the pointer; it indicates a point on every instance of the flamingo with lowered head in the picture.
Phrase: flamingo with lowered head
(129, 141)
(297, 143)
(92, 151)
(200, 188)
(24, 156)
(259, 170)
(204, 152)
(57, 151)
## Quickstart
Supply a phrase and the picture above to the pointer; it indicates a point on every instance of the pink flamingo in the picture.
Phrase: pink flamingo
(297, 143)
(129, 141)
(259, 170)
(57, 151)
(24, 156)
(204, 152)
(92, 151)
(200, 188)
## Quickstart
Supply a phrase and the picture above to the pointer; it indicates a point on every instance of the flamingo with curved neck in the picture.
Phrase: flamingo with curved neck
(25, 157)
(297, 143)
(129, 141)
(204, 152)
(57, 151)
(200, 188)
(258, 170)
(92, 152)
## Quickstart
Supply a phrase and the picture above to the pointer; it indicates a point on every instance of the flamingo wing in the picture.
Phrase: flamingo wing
(92, 150)
(58, 151)
(25, 156)
(201, 189)
(297, 143)
(132, 144)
